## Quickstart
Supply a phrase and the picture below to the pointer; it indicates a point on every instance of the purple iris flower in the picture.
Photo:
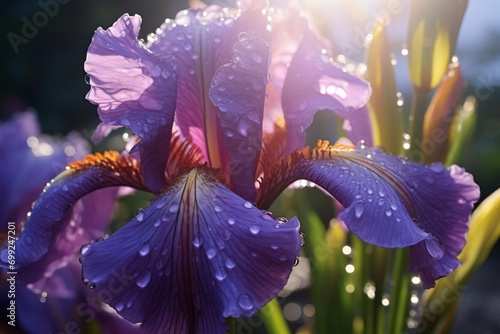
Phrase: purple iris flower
(56, 302)
(215, 152)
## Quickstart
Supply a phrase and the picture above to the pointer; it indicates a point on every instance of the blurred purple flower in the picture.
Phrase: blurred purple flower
(57, 301)
(210, 144)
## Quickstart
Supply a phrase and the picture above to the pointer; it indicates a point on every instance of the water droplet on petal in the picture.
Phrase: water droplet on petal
(437, 168)
(394, 206)
(220, 273)
(144, 250)
(87, 79)
(198, 240)
(173, 208)
(143, 279)
(247, 205)
(231, 221)
(245, 302)
(359, 208)
(139, 215)
(302, 239)
(381, 202)
(255, 228)
(381, 192)
(388, 213)
(92, 285)
(296, 262)
(217, 208)
(85, 249)
(160, 204)
(211, 252)
(230, 263)
(157, 223)
(429, 179)
(119, 307)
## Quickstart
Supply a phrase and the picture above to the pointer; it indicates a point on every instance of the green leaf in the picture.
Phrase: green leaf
(388, 128)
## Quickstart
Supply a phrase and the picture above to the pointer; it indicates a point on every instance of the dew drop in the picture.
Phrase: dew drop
(120, 307)
(359, 208)
(211, 252)
(217, 208)
(173, 208)
(302, 239)
(220, 273)
(245, 302)
(87, 79)
(157, 223)
(388, 213)
(92, 285)
(282, 220)
(437, 168)
(230, 263)
(381, 192)
(393, 206)
(85, 249)
(198, 240)
(296, 262)
(247, 205)
(274, 246)
(143, 279)
(381, 202)
(283, 257)
(429, 179)
(139, 215)
(144, 250)
(255, 228)
(231, 221)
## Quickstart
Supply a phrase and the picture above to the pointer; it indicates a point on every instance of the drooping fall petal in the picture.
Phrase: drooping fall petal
(197, 254)
(389, 201)
(63, 217)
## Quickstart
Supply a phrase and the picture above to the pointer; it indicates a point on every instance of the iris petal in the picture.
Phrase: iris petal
(197, 254)
(238, 91)
(389, 201)
(136, 89)
(314, 83)
(202, 41)
(28, 155)
(63, 218)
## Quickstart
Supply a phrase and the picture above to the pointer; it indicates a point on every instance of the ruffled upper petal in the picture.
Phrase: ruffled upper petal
(202, 41)
(197, 254)
(389, 201)
(66, 215)
(314, 82)
(134, 88)
(238, 91)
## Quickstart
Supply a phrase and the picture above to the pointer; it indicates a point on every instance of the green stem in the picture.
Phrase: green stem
(416, 125)
(231, 322)
(399, 292)
(274, 321)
